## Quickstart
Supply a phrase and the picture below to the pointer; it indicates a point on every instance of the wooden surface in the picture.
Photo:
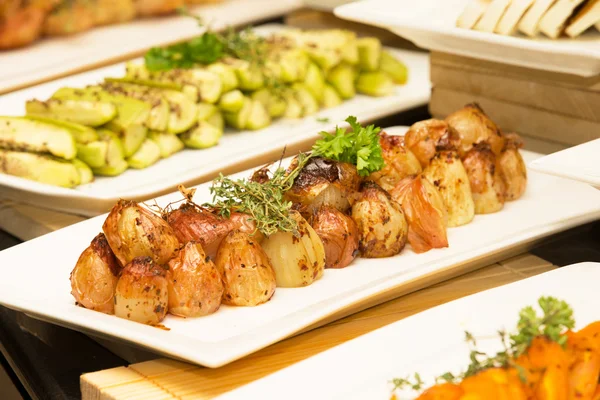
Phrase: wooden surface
(167, 379)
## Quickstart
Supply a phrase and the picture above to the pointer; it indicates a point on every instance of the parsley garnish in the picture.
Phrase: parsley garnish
(204, 49)
(323, 119)
(359, 147)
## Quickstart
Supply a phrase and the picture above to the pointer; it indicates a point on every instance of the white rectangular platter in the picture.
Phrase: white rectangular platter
(191, 167)
(580, 163)
(430, 343)
(51, 58)
(35, 276)
(430, 24)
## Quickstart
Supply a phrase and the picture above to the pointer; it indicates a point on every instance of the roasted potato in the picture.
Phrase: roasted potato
(339, 235)
(194, 283)
(512, 168)
(442, 391)
(487, 186)
(142, 292)
(248, 276)
(113, 11)
(70, 17)
(426, 138)
(21, 26)
(382, 227)
(399, 162)
(157, 7)
(94, 278)
(447, 173)
(474, 126)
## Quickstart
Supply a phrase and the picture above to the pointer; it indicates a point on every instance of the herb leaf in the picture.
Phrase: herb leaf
(204, 49)
(360, 147)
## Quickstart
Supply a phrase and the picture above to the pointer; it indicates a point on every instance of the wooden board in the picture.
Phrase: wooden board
(168, 379)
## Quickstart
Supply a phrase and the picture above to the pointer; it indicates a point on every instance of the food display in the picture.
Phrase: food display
(22, 22)
(550, 18)
(544, 358)
(186, 95)
(357, 193)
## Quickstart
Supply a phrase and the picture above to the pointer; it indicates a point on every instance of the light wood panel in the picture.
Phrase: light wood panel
(184, 381)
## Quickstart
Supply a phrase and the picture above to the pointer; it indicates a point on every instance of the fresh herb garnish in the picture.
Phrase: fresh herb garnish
(416, 384)
(359, 147)
(556, 319)
(204, 49)
(323, 119)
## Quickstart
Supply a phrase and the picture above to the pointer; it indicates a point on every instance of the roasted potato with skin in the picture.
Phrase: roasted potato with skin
(447, 173)
(248, 276)
(512, 168)
(70, 17)
(21, 26)
(113, 11)
(142, 292)
(194, 283)
(473, 126)
(94, 278)
(487, 185)
(382, 227)
(133, 231)
(399, 162)
(426, 138)
(339, 235)
(323, 182)
(442, 391)
(191, 223)
(157, 7)
(425, 213)
(297, 260)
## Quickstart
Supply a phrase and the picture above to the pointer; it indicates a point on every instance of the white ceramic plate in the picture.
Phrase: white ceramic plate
(50, 58)
(430, 343)
(195, 166)
(35, 276)
(430, 24)
(581, 163)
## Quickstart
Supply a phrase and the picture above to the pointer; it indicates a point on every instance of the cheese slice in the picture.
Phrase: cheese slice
(492, 15)
(553, 22)
(472, 13)
(529, 22)
(512, 16)
(585, 19)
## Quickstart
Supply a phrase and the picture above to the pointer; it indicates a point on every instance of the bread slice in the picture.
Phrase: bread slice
(512, 16)
(553, 22)
(472, 13)
(529, 22)
(492, 15)
(584, 19)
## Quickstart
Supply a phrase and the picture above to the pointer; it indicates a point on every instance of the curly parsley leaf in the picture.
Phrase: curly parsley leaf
(204, 49)
(359, 147)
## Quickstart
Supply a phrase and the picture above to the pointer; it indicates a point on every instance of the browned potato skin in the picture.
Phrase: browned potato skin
(94, 278)
(323, 182)
(447, 173)
(381, 224)
(142, 292)
(426, 138)
(70, 18)
(512, 168)
(21, 26)
(113, 11)
(248, 276)
(399, 162)
(474, 126)
(194, 283)
(339, 235)
(191, 223)
(157, 7)
(133, 231)
(487, 185)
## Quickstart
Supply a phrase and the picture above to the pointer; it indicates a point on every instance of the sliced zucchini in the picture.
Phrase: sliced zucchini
(168, 144)
(147, 154)
(331, 98)
(395, 68)
(274, 104)
(203, 136)
(249, 77)
(184, 112)
(315, 81)
(293, 107)
(84, 112)
(369, 53)
(259, 117)
(232, 101)
(205, 111)
(39, 168)
(112, 170)
(81, 133)
(85, 172)
(310, 105)
(217, 120)
(22, 134)
(375, 84)
(341, 78)
(239, 120)
(229, 80)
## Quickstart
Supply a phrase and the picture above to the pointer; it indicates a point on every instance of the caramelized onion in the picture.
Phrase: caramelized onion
(382, 227)
(95, 276)
(339, 235)
(487, 186)
(426, 138)
(133, 231)
(191, 223)
(142, 292)
(512, 167)
(248, 275)
(425, 212)
(194, 283)
(399, 162)
(474, 126)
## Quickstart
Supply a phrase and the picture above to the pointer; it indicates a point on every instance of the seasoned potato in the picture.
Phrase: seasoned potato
(487, 185)
(382, 227)
(248, 275)
(474, 126)
(426, 138)
(399, 162)
(157, 7)
(94, 278)
(447, 173)
(194, 283)
(113, 11)
(512, 168)
(142, 292)
(21, 27)
(442, 391)
(69, 18)
(339, 235)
